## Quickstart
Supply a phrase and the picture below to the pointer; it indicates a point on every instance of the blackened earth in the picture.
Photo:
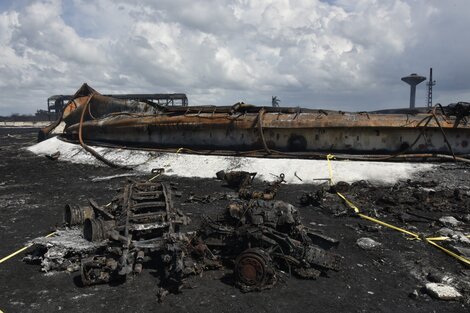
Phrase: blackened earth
(33, 191)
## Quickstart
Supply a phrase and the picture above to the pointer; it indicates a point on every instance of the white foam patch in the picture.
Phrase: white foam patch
(205, 166)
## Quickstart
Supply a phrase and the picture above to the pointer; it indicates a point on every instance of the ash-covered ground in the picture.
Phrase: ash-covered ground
(388, 278)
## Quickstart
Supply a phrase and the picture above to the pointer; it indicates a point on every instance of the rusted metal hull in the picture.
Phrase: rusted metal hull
(305, 132)
(96, 118)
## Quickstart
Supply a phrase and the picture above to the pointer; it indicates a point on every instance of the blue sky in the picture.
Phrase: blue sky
(343, 54)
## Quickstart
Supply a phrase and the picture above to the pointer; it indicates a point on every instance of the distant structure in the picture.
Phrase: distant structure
(430, 83)
(413, 80)
(275, 101)
(56, 104)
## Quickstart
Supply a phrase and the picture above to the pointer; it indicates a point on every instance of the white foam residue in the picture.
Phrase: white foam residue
(205, 166)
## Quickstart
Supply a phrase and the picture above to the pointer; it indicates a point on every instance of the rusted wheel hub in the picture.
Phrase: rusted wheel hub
(253, 269)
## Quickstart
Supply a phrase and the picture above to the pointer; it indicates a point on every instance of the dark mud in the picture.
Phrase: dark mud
(33, 191)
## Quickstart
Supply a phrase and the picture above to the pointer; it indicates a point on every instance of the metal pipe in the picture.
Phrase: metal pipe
(76, 215)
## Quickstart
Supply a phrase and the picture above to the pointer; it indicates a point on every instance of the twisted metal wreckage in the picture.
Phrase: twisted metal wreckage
(256, 235)
(241, 129)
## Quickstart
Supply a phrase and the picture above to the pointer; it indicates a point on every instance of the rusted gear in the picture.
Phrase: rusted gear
(254, 270)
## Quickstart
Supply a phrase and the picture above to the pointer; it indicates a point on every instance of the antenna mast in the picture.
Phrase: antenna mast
(430, 83)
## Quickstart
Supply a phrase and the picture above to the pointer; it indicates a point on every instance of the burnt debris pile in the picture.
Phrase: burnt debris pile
(259, 238)
(254, 238)
(263, 236)
(427, 208)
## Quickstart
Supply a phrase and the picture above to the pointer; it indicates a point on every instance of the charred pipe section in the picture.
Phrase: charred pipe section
(76, 215)
(97, 229)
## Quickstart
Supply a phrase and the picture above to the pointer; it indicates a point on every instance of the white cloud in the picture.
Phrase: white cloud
(344, 54)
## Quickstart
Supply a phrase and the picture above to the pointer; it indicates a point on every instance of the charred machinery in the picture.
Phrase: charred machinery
(242, 182)
(264, 237)
(141, 218)
(256, 236)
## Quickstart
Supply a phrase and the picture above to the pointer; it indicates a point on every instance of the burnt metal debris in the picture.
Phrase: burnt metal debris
(265, 236)
(242, 181)
(142, 213)
(257, 236)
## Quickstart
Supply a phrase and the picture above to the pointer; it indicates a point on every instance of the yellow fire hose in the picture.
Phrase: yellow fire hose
(21, 250)
(414, 236)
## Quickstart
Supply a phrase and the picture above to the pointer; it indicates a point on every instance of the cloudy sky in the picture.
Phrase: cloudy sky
(336, 54)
